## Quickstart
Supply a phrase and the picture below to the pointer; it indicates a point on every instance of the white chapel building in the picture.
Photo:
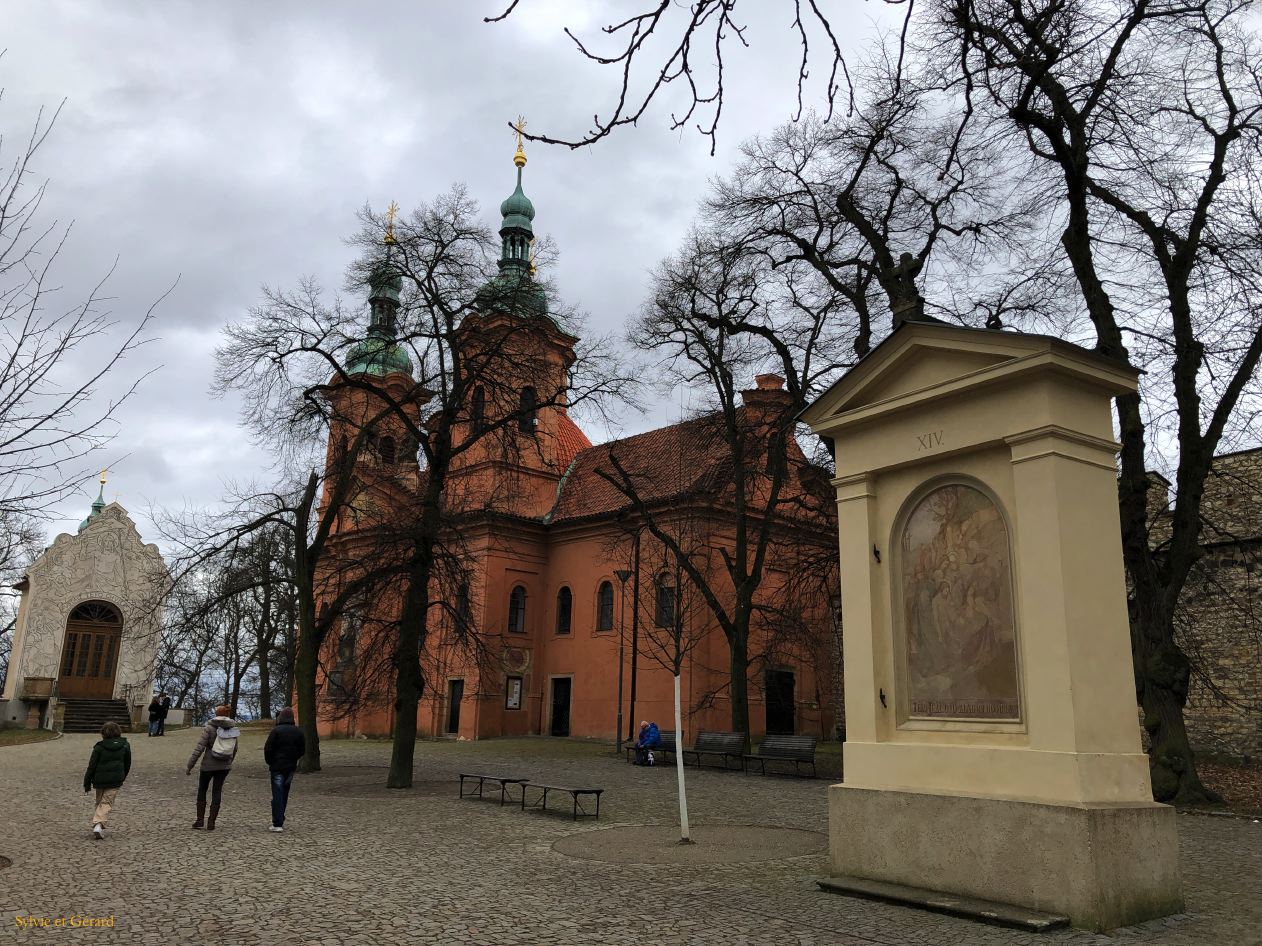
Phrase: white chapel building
(88, 627)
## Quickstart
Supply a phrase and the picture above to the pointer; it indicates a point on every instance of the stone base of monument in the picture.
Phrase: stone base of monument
(1102, 865)
(984, 911)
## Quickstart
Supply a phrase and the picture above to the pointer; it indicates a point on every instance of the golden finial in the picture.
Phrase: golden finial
(103, 472)
(519, 126)
(390, 213)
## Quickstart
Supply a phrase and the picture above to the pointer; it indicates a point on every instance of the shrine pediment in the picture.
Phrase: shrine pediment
(921, 360)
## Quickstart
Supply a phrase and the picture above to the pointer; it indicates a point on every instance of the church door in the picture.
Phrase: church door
(90, 654)
(455, 694)
(560, 706)
(780, 705)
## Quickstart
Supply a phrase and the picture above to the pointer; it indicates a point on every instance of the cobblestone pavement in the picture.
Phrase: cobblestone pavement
(360, 865)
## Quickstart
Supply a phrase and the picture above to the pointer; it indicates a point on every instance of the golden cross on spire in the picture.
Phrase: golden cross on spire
(519, 127)
(103, 472)
(390, 214)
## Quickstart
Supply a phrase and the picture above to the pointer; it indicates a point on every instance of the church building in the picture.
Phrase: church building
(88, 627)
(566, 622)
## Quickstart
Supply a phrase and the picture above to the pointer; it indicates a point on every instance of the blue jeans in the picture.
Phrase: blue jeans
(153, 727)
(280, 796)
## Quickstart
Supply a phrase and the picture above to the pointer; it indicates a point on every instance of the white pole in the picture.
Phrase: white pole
(679, 770)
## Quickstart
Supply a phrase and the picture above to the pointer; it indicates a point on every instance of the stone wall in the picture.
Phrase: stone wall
(1221, 619)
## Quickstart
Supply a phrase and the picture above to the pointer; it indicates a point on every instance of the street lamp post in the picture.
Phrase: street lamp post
(623, 574)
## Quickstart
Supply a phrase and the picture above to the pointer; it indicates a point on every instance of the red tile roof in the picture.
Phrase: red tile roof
(570, 441)
(662, 464)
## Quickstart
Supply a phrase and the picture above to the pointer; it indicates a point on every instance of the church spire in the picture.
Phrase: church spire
(97, 504)
(516, 232)
(379, 353)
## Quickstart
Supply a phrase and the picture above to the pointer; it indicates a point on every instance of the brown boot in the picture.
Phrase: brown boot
(214, 813)
(201, 815)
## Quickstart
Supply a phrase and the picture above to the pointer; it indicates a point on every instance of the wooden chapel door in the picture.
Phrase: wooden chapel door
(89, 656)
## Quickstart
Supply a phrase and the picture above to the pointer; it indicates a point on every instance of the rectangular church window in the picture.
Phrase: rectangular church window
(68, 664)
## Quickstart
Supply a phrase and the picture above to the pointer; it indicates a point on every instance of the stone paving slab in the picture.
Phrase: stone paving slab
(360, 864)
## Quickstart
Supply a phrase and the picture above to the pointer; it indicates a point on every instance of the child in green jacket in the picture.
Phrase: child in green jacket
(107, 770)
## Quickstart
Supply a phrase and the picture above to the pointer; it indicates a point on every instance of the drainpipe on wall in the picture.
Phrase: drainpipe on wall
(635, 629)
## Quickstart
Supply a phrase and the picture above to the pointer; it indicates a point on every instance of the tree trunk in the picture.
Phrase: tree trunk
(684, 837)
(1162, 673)
(305, 664)
(411, 633)
(265, 684)
(738, 645)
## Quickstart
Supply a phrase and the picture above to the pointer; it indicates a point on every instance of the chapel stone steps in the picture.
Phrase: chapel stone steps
(91, 715)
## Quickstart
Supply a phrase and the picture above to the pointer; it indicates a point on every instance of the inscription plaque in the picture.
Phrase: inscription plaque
(959, 638)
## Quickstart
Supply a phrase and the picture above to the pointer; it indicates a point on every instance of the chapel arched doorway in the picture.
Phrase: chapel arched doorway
(89, 657)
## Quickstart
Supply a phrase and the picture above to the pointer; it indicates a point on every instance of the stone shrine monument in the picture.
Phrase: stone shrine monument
(993, 746)
(88, 626)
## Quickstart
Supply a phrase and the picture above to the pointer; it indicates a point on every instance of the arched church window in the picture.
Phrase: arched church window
(526, 409)
(477, 411)
(97, 612)
(517, 610)
(604, 606)
(386, 450)
(958, 637)
(667, 601)
(565, 608)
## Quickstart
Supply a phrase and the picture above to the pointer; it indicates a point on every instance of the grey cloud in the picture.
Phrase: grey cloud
(231, 144)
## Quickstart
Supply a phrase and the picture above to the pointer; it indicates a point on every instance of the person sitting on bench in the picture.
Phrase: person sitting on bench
(650, 738)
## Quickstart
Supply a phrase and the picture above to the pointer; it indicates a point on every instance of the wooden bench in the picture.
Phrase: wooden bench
(800, 750)
(724, 745)
(482, 777)
(574, 793)
(663, 748)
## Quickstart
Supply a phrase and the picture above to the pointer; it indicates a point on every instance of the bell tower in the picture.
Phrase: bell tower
(519, 361)
(376, 373)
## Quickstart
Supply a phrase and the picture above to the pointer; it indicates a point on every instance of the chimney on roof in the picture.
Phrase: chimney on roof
(769, 397)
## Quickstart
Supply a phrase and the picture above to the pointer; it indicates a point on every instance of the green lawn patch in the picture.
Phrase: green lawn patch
(20, 737)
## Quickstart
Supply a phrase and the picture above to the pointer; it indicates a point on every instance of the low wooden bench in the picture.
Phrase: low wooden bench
(800, 750)
(724, 745)
(482, 777)
(574, 793)
(663, 748)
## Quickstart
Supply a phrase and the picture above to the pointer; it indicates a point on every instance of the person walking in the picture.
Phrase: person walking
(217, 747)
(285, 746)
(162, 717)
(107, 770)
(155, 715)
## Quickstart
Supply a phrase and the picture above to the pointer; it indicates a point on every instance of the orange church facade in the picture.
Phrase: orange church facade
(567, 598)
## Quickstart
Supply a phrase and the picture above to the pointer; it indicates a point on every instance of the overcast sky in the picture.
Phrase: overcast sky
(230, 144)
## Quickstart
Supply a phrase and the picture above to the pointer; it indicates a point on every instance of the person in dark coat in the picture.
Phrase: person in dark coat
(155, 715)
(217, 747)
(162, 717)
(285, 746)
(107, 770)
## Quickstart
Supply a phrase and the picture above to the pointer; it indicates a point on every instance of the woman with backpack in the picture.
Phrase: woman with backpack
(217, 748)
(107, 770)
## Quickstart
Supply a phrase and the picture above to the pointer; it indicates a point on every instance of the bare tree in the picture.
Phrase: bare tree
(52, 417)
(679, 625)
(720, 315)
(665, 43)
(1132, 129)
(1141, 124)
